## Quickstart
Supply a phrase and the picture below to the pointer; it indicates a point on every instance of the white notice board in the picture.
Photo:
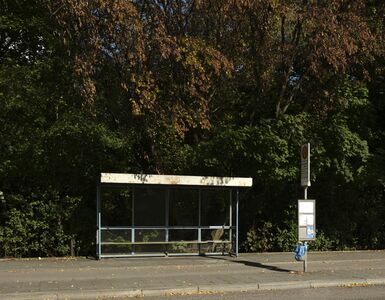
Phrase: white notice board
(306, 220)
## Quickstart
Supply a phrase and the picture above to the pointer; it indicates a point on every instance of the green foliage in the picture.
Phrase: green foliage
(321, 243)
(267, 237)
(259, 150)
(149, 235)
(179, 247)
(35, 225)
(259, 239)
(287, 238)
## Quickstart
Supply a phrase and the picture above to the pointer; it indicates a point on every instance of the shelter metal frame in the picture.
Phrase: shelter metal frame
(168, 182)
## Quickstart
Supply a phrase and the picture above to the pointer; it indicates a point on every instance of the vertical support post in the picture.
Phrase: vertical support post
(98, 224)
(305, 256)
(72, 246)
(133, 222)
(199, 220)
(167, 217)
(237, 223)
(305, 259)
(231, 220)
(167, 214)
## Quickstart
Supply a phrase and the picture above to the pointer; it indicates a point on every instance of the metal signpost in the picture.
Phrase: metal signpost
(306, 208)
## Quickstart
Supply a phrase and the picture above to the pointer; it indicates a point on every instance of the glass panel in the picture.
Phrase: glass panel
(183, 247)
(215, 247)
(117, 249)
(121, 235)
(215, 207)
(150, 235)
(150, 249)
(116, 206)
(149, 206)
(215, 234)
(183, 235)
(183, 207)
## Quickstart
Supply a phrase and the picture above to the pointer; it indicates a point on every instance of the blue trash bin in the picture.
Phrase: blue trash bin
(300, 251)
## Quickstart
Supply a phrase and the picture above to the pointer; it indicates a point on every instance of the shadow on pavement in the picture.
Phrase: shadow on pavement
(253, 264)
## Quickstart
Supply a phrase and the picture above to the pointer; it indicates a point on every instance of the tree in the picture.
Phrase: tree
(193, 87)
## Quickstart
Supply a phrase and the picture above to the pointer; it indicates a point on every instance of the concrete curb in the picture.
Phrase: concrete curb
(218, 289)
(203, 289)
(170, 292)
(339, 283)
(106, 294)
(285, 285)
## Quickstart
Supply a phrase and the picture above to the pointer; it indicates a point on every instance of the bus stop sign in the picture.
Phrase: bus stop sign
(305, 165)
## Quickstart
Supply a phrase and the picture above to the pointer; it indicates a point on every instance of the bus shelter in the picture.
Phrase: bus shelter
(161, 215)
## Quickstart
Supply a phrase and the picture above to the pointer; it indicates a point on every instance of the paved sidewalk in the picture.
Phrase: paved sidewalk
(82, 278)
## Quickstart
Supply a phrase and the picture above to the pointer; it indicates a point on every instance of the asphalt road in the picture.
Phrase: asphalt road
(340, 293)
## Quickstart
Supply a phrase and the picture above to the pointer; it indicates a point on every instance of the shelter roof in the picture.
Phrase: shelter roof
(152, 179)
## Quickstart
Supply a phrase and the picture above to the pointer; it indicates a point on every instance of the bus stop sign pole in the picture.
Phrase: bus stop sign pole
(306, 208)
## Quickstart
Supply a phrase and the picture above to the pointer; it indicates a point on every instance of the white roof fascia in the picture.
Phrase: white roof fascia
(123, 178)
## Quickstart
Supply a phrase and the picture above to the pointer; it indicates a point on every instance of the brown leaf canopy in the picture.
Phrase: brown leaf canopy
(172, 58)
